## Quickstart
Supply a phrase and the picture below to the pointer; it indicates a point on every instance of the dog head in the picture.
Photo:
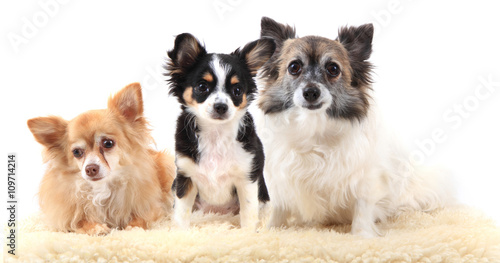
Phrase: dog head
(317, 74)
(215, 87)
(98, 143)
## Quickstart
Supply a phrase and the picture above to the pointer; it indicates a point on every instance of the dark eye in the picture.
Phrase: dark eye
(108, 143)
(237, 91)
(294, 68)
(333, 69)
(201, 88)
(78, 153)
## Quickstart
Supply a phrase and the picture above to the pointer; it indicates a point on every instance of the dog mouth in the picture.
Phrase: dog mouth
(218, 117)
(95, 179)
(313, 106)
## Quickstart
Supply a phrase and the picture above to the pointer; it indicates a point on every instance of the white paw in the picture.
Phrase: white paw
(181, 222)
(364, 234)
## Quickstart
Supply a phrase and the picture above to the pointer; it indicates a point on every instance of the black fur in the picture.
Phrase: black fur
(251, 143)
(348, 103)
(181, 185)
(271, 29)
(358, 43)
(187, 64)
(276, 31)
(178, 65)
(186, 140)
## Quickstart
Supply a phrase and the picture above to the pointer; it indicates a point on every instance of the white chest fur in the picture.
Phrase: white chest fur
(222, 163)
(314, 166)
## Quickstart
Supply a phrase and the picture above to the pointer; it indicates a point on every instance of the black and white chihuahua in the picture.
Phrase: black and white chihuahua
(218, 154)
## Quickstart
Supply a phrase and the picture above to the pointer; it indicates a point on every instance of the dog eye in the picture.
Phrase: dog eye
(77, 153)
(201, 88)
(294, 68)
(333, 69)
(108, 143)
(237, 91)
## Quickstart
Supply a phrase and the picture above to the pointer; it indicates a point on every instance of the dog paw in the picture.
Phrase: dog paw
(93, 229)
(371, 232)
(364, 234)
(137, 223)
(129, 227)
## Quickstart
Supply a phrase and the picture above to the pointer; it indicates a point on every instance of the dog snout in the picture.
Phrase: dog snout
(311, 93)
(220, 108)
(92, 170)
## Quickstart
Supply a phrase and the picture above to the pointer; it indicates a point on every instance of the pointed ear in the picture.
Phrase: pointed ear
(358, 43)
(48, 131)
(276, 31)
(128, 102)
(187, 50)
(256, 53)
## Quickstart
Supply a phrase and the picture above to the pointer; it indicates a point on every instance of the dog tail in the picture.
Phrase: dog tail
(425, 189)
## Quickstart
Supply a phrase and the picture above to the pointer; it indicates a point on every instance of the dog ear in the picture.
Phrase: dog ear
(358, 43)
(187, 51)
(276, 31)
(256, 53)
(128, 102)
(48, 131)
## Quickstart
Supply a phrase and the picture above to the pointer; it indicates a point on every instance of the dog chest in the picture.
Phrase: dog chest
(222, 163)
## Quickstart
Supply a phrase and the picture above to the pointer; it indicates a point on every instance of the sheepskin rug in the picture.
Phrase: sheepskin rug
(458, 234)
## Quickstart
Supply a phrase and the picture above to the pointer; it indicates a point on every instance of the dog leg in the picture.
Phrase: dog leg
(363, 223)
(279, 217)
(249, 204)
(183, 205)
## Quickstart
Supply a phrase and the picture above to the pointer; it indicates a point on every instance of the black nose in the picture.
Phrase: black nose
(311, 94)
(92, 170)
(220, 108)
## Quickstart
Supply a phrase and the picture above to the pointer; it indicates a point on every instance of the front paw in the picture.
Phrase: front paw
(136, 223)
(249, 222)
(181, 221)
(367, 231)
(278, 219)
(363, 233)
(93, 229)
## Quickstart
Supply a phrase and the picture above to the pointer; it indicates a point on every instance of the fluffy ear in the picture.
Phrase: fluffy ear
(256, 53)
(187, 51)
(128, 102)
(48, 131)
(276, 31)
(358, 43)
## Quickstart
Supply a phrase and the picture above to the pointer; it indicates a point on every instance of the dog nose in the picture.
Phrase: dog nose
(92, 170)
(311, 94)
(220, 108)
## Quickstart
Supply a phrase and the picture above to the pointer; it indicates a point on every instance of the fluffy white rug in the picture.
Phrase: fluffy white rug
(452, 235)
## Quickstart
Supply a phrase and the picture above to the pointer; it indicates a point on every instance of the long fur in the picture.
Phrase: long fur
(219, 157)
(335, 164)
(137, 190)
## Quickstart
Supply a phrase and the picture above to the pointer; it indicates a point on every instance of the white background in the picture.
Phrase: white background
(430, 58)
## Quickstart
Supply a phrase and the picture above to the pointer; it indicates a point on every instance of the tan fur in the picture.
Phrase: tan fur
(255, 59)
(234, 80)
(188, 97)
(243, 103)
(208, 77)
(293, 48)
(300, 48)
(139, 187)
